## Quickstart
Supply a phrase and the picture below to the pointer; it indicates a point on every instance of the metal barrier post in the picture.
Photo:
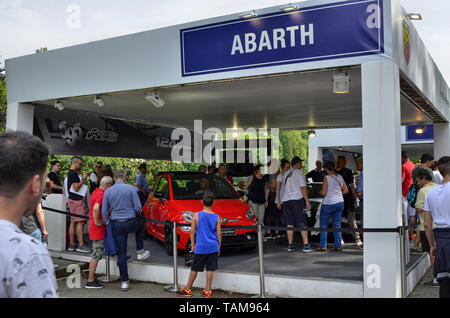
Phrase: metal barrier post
(403, 262)
(261, 262)
(108, 278)
(174, 287)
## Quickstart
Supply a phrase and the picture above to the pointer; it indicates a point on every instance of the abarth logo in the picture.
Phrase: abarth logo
(406, 41)
(224, 220)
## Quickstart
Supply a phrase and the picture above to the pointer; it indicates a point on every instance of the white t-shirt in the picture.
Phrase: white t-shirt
(26, 269)
(437, 201)
(334, 190)
(280, 178)
(93, 177)
(295, 180)
(437, 177)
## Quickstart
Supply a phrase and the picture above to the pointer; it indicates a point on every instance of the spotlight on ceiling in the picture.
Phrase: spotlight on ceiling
(420, 130)
(311, 133)
(341, 83)
(99, 101)
(249, 15)
(154, 98)
(59, 105)
(289, 8)
(414, 16)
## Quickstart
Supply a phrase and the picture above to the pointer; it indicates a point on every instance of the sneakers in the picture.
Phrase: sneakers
(307, 249)
(83, 249)
(433, 283)
(183, 292)
(125, 286)
(71, 248)
(291, 248)
(141, 255)
(93, 284)
(207, 293)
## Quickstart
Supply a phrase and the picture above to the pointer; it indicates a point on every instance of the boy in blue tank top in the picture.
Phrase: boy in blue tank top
(206, 238)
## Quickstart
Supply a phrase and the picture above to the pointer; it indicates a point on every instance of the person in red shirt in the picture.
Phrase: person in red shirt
(97, 230)
(407, 180)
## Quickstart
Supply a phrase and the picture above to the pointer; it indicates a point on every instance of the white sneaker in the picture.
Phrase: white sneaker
(125, 286)
(143, 255)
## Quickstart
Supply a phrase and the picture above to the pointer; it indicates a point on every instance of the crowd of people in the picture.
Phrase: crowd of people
(115, 211)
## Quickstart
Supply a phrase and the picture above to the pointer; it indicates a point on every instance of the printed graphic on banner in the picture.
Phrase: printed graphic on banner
(406, 41)
(419, 132)
(335, 30)
(71, 132)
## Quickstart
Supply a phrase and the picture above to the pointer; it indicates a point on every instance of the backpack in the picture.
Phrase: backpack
(412, 194)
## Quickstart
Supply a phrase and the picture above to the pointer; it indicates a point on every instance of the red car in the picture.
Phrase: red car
(176, 196)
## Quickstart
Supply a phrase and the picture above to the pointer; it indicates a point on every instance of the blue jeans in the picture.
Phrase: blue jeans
(37, 234)
(333, 211)
(120, 231)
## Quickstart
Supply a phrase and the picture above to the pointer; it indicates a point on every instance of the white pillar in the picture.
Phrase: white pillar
(382, 177)
(19, 116)
(55, 222)
(441, 140)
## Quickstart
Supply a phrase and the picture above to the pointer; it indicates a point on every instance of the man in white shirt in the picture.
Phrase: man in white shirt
(294, 200)
(437, 210)
(26, 269)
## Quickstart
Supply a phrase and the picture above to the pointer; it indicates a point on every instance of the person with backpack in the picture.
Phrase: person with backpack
(333, 190)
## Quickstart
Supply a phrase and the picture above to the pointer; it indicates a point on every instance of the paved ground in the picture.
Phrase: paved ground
(423, 291)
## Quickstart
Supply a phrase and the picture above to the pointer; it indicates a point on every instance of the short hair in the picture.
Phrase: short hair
(22, 156)
(75, 159)
(444, 166)
(208, 199)
(405, 154)
(99, 162)
(330, 165)
(426, 157)
(120, 174)
(54, 162)
(222, 165)
(423, 173)
(106, 179)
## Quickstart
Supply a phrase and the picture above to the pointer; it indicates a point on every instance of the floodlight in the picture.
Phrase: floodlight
(341, 83)
(59, 105)
(414, 16)
(99, 101)
(249, 15)
(289, 8)
(420, 130)
(311, 133)
(154, 98)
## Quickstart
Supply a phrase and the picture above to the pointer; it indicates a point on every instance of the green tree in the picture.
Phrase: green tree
(294, 143)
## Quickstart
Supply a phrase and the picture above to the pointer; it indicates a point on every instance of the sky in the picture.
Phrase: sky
(26, 25)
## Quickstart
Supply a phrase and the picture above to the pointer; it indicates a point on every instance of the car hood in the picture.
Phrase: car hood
(223, 207)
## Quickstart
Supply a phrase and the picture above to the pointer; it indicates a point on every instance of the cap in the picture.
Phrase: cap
(296, 160)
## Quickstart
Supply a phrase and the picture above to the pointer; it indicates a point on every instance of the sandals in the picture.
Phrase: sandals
(207, 293)
(321, 249)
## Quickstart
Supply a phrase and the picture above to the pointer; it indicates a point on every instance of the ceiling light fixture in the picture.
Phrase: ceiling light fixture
(249, 15)
(311, 133)
(420, 130)
(414, 16)
(99, 101)
(341, 83)
(154, 98)
(59, 105)
(289, 8)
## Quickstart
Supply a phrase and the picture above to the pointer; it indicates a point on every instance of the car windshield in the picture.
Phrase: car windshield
(192, 187)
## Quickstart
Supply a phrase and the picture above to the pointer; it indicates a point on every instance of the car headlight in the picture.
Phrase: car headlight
(250, 214)
(187, 216)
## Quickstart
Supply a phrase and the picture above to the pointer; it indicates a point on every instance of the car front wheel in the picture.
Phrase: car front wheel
(168, 240)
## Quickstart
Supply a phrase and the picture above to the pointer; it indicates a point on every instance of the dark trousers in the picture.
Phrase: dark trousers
(120, 232)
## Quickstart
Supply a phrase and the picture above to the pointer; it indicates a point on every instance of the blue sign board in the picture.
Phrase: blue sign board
(412, 135)
(330, 31)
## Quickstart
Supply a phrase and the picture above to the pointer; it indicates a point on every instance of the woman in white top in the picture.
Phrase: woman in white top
(333, 189)
(279, 188)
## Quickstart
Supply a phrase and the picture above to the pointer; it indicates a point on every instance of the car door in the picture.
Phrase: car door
(159, 209)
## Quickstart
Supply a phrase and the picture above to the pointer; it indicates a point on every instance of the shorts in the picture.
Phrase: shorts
(98, 249)
(202, 260)
(293, 213)
(78, 208)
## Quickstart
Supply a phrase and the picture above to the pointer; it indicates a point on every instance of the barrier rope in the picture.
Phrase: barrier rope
(277, 228)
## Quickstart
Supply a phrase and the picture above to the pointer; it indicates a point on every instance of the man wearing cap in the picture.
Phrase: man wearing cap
(141, 184)
(294, 200)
